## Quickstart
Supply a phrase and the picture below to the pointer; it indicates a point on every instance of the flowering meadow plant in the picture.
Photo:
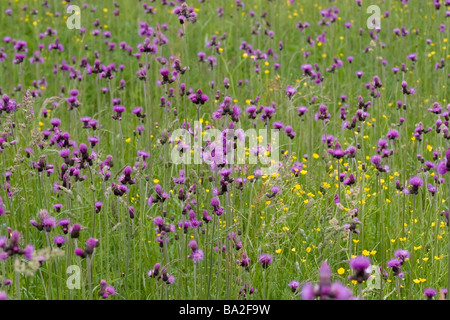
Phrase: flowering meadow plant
(239, 149)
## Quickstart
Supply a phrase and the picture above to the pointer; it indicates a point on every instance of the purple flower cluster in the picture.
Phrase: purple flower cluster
(361, 267)
(106, 290)
(197, 254)
(396, 263)
(160, 273)
(13, 248)
(326, 289)
(91, 244)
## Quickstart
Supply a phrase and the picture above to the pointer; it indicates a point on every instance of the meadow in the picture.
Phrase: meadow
(102, 198)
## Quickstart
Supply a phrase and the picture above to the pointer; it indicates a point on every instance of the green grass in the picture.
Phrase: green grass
(302, 226)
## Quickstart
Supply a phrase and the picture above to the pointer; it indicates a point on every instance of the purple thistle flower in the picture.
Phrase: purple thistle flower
(338, 291)
(308, 292)
(98, 206)
(28, 252)
(265, 260)
(402, 254)
(105, 290)
(294, 285)
(429, 293)
(75, 231)
(196, 256)
(59, 241)
(290, 92)
(416, 183)
(360, 266)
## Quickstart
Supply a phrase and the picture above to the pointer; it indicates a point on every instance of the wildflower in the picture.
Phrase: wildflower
(351, 227)
(290, 132)
(181, 179)
(197, 254)
(59, 241)
(360, 266)
(308, 292)
(290, 92)
(46, 223)
(131, 211)
(338, 291)
(444, 165)
(105, 290)
(245, 261)
(322, 114)
(325, 289)
(12, 247)
(402, 254)
(98, 206)
(274, 191)
(337, 152)
(350, 180)
(247, 289)
(161, 196)
(294, 285)
(412, 57)
(2, 207)
(416, 183)
(154, 273)
(395, 264)
(199, 97)
(185, 13)
(217, 209)
(265, 260)
(405, 89)
(429, 293)
(118, 109)
(125, 178)
(75, 231)
(64, 223)
(376, 161)
(302, 111)
(91, 244)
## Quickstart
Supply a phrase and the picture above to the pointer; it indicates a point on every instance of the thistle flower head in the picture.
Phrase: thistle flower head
(265, 260)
